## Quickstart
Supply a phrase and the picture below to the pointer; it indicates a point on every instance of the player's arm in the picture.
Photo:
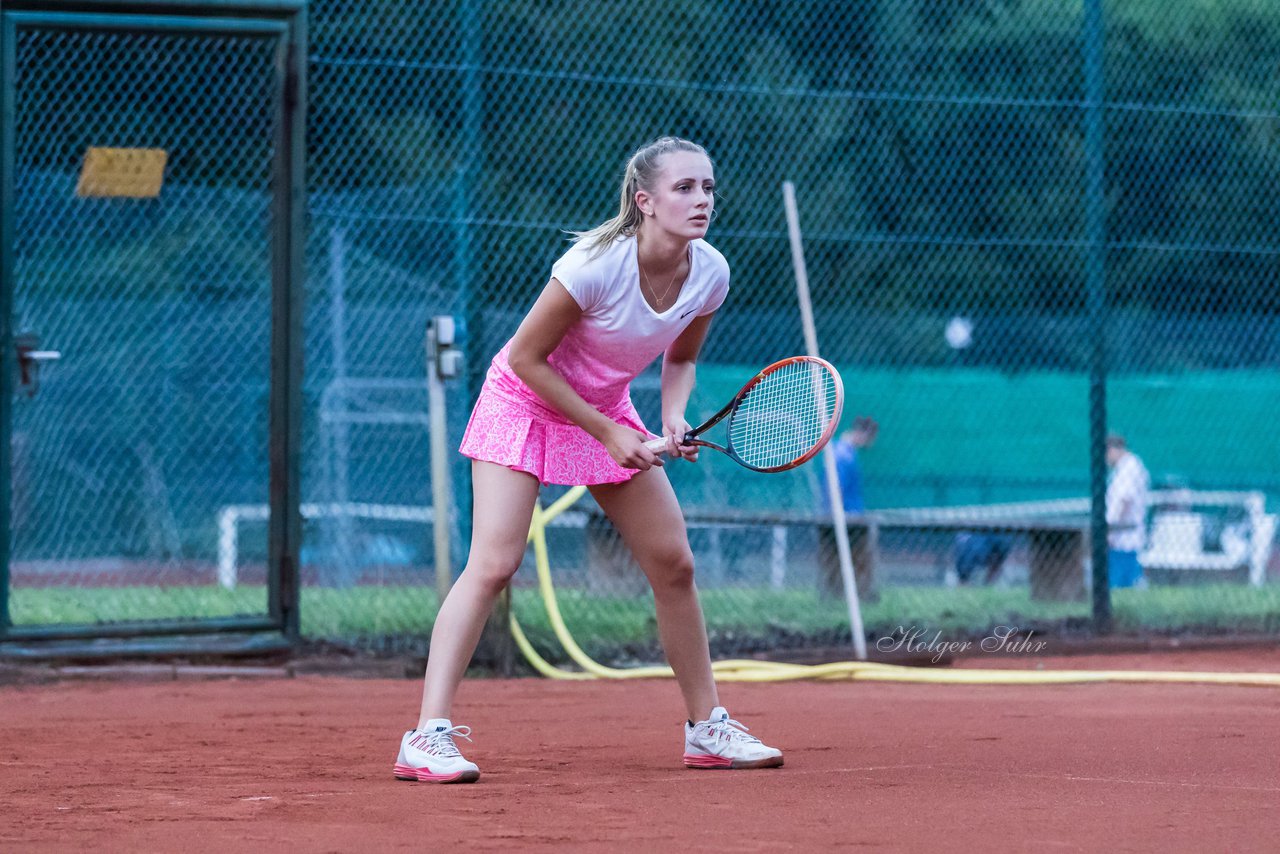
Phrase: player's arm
(541, 331)
(679, 371)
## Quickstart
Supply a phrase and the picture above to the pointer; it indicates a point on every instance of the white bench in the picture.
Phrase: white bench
(1175, 538)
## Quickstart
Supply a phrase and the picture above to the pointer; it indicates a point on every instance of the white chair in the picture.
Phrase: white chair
(1175, 542)
(1264, 536)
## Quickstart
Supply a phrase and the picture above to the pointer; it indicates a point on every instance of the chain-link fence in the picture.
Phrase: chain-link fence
(962, 267)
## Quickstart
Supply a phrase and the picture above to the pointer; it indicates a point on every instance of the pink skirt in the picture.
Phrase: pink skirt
(527, 437)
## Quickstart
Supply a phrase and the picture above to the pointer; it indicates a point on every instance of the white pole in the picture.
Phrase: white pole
(828, 456)
(227, 547)
(441, 495)
(341, 529)
(778, 558)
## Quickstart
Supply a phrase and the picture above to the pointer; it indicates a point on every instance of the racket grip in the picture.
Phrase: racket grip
(657, 445)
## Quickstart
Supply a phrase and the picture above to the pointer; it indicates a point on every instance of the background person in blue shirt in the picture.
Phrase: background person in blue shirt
(848, 468)
(862, 539)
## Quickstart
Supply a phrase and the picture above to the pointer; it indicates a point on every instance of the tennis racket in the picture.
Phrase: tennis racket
(780, 419)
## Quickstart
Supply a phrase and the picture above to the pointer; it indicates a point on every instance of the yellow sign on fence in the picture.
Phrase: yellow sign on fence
(135, 173)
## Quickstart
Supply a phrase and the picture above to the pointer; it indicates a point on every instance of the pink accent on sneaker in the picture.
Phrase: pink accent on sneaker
(720, 742)
(422, 775)
(706, 760)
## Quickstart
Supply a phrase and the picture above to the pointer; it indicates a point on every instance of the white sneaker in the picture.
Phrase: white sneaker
(429, 755)
(721, 742)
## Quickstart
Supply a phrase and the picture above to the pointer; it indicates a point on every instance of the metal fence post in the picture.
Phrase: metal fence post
(1096, 278)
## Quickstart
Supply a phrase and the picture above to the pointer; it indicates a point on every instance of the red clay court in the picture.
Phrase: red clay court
(304, 764)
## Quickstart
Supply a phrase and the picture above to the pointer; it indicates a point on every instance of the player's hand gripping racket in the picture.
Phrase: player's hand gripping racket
(780, 419)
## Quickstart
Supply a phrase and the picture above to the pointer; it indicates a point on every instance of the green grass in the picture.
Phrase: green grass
(1216, 608)
(326, 613)
(58, 605)
(737, 619)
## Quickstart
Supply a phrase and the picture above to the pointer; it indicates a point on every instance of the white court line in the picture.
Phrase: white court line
(1071, 778)
(787, 769)
(1165, 783)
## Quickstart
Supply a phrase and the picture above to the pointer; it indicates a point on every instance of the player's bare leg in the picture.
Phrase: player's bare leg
(504, 501)
(648, 518)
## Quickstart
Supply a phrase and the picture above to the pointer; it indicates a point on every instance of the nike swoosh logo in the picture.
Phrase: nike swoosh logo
(687, 313)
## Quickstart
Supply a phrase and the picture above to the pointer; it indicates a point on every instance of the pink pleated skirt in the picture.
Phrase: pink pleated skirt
(529, 437)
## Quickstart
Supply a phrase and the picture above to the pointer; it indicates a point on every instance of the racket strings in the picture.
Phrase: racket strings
(784, 415)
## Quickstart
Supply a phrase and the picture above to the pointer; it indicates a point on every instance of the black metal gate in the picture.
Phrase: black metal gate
(150, 290)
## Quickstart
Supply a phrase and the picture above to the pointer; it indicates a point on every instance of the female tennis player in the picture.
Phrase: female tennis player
(556, 408)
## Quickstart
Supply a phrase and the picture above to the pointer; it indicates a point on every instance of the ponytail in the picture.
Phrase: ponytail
(642, 168)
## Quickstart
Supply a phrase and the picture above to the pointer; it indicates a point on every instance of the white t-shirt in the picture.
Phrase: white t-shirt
(1127, 504)
(620, 334)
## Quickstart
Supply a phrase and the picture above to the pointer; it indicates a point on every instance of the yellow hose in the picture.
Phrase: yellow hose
(748, 670)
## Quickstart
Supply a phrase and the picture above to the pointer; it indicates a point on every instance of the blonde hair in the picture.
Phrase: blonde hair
(642, 169)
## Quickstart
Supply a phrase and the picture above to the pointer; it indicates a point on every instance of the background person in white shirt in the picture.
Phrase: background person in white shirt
(1127, 486)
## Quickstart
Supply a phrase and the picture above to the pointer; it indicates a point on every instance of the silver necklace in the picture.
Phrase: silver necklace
(661, 300)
